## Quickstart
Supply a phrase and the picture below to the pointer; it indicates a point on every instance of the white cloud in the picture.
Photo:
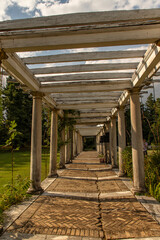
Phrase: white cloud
(30, 5)
(3, 8)
(93, 5)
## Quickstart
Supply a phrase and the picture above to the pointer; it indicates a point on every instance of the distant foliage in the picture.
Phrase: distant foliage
(152, 171)
(127, 159)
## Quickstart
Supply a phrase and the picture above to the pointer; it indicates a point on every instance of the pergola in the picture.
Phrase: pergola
(99, 90)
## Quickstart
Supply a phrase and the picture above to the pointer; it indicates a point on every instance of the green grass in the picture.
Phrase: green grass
(21, 165)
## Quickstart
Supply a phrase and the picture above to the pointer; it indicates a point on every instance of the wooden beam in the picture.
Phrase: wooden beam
(81, 19)
(17, 69)
(85, 101)
(76, 39)
(84, 94)
(92, 120)
(115, 85)
(109, 98)
(146, 68)
(91, 114)
(84, 56)
(85, 76)
(84, 68)
(87, 105)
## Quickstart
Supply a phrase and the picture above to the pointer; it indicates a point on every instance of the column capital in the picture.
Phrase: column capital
(121, 108)
(134, 91)
(3, 55)
(36, 94)
(113, 117)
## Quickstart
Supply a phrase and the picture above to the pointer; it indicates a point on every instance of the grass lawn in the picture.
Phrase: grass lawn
(21, 165)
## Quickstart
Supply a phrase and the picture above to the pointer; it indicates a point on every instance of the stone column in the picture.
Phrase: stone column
(71, 144)
(113, 142)
(78, 143)
(108, 143)
(68, 148)
(137, 143)
(121, 139)
(62, 150)
(36, 144)
(74, 143)
(53, 144)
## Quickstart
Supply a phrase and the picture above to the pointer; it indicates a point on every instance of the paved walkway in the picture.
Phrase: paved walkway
(87, 201)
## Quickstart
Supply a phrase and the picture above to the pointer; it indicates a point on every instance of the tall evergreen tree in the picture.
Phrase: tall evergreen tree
(18, 108)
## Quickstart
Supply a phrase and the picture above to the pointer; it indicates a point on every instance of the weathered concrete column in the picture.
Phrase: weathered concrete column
(137, 143)
(108, 127)
(81, 143)
(36, 144)
(68, 156)
(78, 143)
(53, 144)
(71, 144)
(121, 139)
(62, 150)
(113, 142)
(74, 143)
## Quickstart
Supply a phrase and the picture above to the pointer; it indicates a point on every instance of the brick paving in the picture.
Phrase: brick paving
(113, 218)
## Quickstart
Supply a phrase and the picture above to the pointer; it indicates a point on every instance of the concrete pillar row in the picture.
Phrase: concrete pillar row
(36, 144)
(62, 150)
(113, 142)
(137, 142)
(121, 139)
(108, 127)
(53, 144)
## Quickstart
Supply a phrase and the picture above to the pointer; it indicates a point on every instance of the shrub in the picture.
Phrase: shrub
(13, 194)
(152, 174)
(127, 161)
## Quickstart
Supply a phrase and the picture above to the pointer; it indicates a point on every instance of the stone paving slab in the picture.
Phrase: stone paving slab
(127, 218)
(60, 216)
(81, 173)
(70, 185)
(86, 209)
(20, 236)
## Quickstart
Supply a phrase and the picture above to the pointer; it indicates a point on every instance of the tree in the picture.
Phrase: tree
(17, 106)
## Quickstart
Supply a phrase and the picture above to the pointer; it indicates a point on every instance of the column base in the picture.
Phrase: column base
(121, 174)
(54, 175)
(61, 166)
(1, 229)
(34, 191)
(136, 190)
(114, 166)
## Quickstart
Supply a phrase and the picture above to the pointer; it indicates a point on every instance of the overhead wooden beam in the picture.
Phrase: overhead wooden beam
(92, 120)
(84, 94)
(85, 76)
(115, 85)
(78, 39)
(84, 68)
(84, 56)
(17, 69)
(87, 105)
(81, 19)
(85, 101)
(146, 69)
(109, 98)
(91, 114)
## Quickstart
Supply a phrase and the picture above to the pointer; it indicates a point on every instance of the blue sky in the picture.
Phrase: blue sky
(15, 9)
(18, 9)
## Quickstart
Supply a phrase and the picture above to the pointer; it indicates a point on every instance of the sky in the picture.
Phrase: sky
(19, 9)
